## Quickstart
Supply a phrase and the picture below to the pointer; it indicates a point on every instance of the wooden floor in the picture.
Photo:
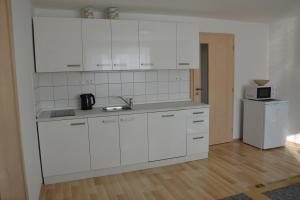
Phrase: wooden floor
(230, 169)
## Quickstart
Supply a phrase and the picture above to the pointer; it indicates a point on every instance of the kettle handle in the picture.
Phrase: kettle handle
(94, 101)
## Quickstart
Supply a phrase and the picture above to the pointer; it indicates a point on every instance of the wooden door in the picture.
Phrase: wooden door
(12, 178)
(220, 85)
(195, 85)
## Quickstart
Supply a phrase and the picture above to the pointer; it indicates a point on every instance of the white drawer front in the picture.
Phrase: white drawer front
(197, 144)
(196, 113)
(197, 125)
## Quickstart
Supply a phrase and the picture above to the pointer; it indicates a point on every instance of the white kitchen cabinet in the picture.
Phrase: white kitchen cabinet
(167, 135)
(133, 139)
(125, 44)
(64, 146)
(197, 144)
(58, 44)
(104, 142)
(187, 46)
(157, 45)
(96, 39)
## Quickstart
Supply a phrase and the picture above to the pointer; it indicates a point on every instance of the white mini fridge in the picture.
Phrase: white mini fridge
(265, 123)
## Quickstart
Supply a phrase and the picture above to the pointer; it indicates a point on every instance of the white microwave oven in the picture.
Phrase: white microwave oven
(255, 92)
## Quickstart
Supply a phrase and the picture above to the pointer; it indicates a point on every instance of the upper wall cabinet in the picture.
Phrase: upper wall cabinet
(157, 45)
(58, 44)
(96, 40)
(125, 44)
(187, 46)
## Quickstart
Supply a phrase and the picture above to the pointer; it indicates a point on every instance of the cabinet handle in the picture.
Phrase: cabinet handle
(198, 138)
(186, 64)
(198, 121)
(168, 115)
(78, 124)
(108, 121)
(198, 113)
(73, 65)
(126, 119)
(147, 64)
(102, 65)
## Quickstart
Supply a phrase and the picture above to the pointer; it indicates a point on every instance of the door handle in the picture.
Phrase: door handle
(186, 64)
(147, 64)
(199, 89)
(108, 121)
(102, 65)
(198, 121)
(120, 65)
(198, 113)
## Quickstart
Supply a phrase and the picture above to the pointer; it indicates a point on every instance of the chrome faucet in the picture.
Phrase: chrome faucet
(129, 102)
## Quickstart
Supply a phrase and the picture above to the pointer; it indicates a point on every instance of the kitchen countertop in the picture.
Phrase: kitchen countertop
(139, 108)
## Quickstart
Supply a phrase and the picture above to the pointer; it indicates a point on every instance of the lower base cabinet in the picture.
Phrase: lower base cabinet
(167, 135)
(133, 139)
(104, 142)
(64, 146)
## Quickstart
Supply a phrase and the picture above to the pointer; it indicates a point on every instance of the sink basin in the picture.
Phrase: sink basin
(116, 108)
(62, 113)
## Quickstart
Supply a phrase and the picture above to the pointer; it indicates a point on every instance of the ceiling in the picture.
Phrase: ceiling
(242, 10)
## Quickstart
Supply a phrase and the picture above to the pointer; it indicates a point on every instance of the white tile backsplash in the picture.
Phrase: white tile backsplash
(63, 89)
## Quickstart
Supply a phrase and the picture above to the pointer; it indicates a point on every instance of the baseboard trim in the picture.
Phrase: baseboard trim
(122, 169)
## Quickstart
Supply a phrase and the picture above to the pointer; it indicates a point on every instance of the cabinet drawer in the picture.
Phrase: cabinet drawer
(196, 113)
(197, 125)
(197, 144)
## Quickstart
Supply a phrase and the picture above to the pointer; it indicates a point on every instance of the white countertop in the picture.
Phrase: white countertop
(140, 108)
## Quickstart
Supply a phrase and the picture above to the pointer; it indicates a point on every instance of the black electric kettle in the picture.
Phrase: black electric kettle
(87, 101)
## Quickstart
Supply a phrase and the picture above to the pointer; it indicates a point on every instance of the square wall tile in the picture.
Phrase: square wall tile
(46, 104)
(184, 86)
(151, 98)
(46, 93)
(60, 92)
(114, 77)
(163, 87)
(101, 78)
(101, 102)
(174, 75)
(45, 79)
(74, 91)
(163, 75)
(127, 77)
(151, 76)
(102, 90)
(163, 97)
(59, 79)
(174, 87)
(139, 89)
(139, 77)
(185, 75)
(151, 88)
(114, 90)
(139, 99)
(75, 103)
(127, 89)
(89, 89)
(88, 78)
(74, 78)
(61, 103)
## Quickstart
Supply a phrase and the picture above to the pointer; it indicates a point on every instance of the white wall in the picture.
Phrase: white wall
(22, 31)
(251, 39)
(285, 64)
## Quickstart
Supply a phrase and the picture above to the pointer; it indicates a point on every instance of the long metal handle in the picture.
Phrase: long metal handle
(75, 65)
(102, 65)
(185, 64)
(147, 64)
(168, 115)
(198, 138)
(127, 119)
(198, 121)
(78, 124)
(108, 121)
(198, 113)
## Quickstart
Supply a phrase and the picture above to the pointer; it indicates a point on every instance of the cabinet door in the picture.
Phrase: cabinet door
(58, 44)
(157, 45)
(96, 38)
(125, 45)
(187, 46)
(167, 135)
(104, 142)
(64, 146)
(133, 139)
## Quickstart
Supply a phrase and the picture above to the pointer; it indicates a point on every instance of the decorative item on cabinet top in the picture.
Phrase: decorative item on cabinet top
(87, 13)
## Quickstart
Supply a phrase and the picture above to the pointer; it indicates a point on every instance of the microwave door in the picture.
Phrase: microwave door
(264, 93)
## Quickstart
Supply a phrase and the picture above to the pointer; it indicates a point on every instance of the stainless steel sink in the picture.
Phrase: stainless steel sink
(116, 108)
